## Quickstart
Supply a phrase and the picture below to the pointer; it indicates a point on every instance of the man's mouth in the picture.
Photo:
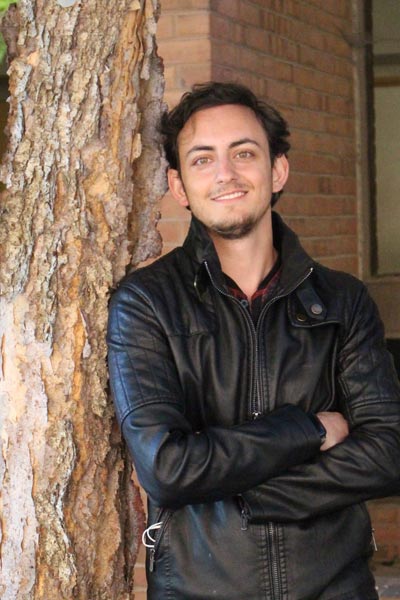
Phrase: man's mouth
(229, 196)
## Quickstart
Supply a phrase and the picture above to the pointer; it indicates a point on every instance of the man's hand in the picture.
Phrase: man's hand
(336, 427)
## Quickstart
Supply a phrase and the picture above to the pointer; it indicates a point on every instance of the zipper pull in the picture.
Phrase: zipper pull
(244, 513)
(152, 559)
(374, 541)
(245, 519)
(256, 415)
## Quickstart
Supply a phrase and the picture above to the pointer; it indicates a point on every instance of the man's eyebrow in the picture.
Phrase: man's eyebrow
(201, 148)
(243, 141)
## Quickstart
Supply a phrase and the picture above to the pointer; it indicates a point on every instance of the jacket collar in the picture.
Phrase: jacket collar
(296, 263)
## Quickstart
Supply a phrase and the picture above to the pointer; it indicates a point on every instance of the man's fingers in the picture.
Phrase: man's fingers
(336, 426)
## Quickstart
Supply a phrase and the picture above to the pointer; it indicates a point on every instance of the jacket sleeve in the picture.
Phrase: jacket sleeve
(367, 464)
(176, 465)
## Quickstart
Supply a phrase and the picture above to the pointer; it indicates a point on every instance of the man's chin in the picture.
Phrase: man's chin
(233, 231)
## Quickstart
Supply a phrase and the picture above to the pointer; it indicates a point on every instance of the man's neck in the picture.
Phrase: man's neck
(247, 260)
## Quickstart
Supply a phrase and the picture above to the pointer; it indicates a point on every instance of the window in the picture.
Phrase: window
(386, 97)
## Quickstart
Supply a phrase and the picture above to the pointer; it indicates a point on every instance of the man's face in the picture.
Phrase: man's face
(226, 175)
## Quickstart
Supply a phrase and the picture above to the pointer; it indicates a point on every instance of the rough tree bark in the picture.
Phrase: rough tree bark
(83, 172)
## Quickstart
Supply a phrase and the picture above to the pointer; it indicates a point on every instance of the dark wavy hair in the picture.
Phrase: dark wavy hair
(214, 93)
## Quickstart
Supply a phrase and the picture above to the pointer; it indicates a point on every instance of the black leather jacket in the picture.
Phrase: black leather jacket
(250, 508)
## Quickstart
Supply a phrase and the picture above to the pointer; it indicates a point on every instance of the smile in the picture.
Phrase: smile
(230, 196)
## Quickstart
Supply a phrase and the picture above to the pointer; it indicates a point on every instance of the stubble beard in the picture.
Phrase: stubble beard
(236, 229)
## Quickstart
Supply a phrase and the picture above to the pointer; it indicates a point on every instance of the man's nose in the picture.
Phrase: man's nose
(225, 170)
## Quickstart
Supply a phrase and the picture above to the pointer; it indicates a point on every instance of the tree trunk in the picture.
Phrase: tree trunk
(83, 172)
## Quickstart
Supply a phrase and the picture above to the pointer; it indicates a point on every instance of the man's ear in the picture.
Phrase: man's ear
(280, 173)
(176, 187)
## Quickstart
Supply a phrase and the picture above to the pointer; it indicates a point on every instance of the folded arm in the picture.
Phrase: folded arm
(175, 464)
(367, 463)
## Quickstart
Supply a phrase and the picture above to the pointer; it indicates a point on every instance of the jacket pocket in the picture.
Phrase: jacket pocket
(153, 534)
(251, 510)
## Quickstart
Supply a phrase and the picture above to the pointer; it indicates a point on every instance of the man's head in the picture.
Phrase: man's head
(227, 154)
(212, 94)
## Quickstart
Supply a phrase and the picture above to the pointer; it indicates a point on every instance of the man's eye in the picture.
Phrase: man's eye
(244, 154)
(202, 160)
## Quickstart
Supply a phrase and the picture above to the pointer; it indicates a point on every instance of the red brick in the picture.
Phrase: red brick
(323, 226)
(183, 5)
(313, 205)
(225, 53)
(273, 23)
(189, 74)
(321, 61)
(340, 126)
(335, 7)
(167, 248)
(197, 50)
(238, 35)
(221, 27)
(326, 143)
(166, 27)
(224, 73)
(306, 183)
(305, 119)
(316, 17)
(327, 83)
(172, 97)
(311, 99)
(250, 60)
(170, 75)
(255, 37)
(349, 264)
(250, 13)
(327, 247)
(281, 48)
(337, 45)
(229, 8)
(303, 33)
(280, 91)
(277, 69)
(191, 25)
(140, 576)
(340, 106)
(141, 557)
(172, 232)
(315, 163)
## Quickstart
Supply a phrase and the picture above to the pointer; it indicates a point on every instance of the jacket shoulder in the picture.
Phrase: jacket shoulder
(164, 290)
(171, 270)
(338, 285)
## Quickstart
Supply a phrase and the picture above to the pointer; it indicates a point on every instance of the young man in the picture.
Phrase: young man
(252, 384)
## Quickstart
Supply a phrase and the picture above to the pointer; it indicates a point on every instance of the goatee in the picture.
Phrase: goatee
(234, 231)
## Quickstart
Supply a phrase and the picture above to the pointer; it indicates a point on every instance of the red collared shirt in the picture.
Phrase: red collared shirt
(264, 291)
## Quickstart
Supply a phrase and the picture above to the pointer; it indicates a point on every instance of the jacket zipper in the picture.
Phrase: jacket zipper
(275, 572)
(255, 407)
(244, 513)
(275, 299)
(166, 515)
(272, 530)
(253, 341)
(255, 413)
